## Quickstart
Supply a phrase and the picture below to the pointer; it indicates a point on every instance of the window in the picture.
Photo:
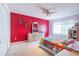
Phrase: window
(61, 27)
(65, 27)
(57, 28)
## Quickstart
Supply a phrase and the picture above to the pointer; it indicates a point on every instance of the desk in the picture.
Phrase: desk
(34, 36)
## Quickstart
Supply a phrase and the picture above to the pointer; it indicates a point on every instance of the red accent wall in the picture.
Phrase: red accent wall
(18, 32)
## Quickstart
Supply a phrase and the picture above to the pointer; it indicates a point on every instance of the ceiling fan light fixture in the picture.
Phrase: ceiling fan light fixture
(46, 11)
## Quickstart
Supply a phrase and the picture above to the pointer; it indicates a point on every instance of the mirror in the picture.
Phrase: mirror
(35, 26)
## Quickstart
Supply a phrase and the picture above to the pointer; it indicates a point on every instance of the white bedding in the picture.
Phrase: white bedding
(74, 46)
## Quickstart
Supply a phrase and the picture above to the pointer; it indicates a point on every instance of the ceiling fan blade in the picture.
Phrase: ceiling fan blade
(51, 8)
(46, 11)
(42, 8)
(52, 12)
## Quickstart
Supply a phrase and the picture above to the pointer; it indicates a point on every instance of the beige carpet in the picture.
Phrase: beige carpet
(26, 49)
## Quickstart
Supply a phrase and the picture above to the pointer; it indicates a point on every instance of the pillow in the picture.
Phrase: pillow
(70, 41)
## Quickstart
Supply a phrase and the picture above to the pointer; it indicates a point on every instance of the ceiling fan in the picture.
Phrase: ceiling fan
(47, 12)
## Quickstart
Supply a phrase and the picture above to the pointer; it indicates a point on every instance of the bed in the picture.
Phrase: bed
(52, 46)
(56, 46)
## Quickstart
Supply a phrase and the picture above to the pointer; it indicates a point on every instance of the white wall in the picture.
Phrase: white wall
(4, 29)
(50, 26)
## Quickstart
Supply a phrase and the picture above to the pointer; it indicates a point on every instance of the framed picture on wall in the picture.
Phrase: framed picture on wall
(20, 21)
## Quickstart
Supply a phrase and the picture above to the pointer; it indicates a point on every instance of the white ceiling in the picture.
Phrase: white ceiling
(32, 9)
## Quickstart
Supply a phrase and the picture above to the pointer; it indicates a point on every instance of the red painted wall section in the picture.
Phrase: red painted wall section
(19, 33)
